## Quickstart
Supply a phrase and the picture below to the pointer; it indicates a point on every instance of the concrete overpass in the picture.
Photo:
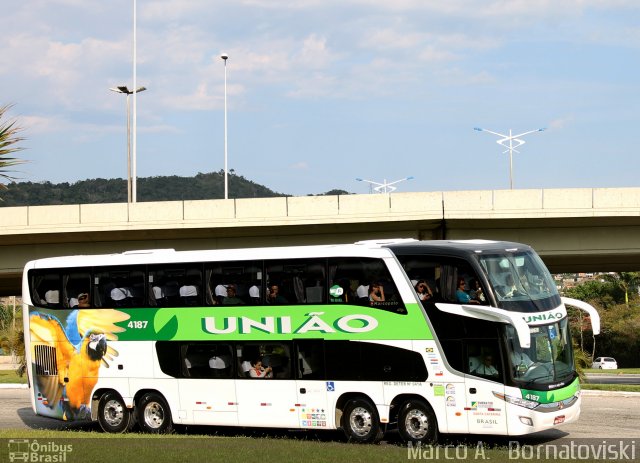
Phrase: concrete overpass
(590, 229)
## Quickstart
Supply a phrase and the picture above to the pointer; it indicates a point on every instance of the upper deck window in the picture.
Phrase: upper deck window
(520, 281)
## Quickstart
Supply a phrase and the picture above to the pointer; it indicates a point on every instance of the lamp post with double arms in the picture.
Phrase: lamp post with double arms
(511, 147)
(125, 90)
(225, 57)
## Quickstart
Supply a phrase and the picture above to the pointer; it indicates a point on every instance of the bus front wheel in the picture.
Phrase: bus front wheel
(361, 422)
(154, 415)
(417, 423)
(113, 414)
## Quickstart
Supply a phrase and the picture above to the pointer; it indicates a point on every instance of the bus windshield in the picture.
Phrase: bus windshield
(548, 360)
(520, 281)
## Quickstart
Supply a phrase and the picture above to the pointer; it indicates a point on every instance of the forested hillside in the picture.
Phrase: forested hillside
(173, 188)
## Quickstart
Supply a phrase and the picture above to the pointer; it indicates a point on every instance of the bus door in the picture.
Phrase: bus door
(207, 388)
(267, 396)
(486, 413)
(312, 389)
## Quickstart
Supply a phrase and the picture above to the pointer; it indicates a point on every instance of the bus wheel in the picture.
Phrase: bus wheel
(154, 415)
(417, 422)
(360, 421)
(113, 414)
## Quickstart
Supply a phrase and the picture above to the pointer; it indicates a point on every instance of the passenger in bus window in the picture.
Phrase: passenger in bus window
(509, 289)
(232, 298)
(476, 292)
(486, 368)
(159, 295)
(424, 291)
(520, 361)
(461, 294)
(221, 292)
(52, 297)
(363, 292)
(274, 296)
(189, 293)
(258, 371)
(254, 294)
(121, 296)
(83, 300)
(376, 292)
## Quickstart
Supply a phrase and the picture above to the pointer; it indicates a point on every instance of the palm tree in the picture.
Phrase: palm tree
(8, 140)
(626, 281)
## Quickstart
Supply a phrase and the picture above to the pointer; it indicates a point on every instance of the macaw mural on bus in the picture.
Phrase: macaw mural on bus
(66, 358)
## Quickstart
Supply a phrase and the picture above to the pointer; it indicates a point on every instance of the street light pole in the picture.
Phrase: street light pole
(225, 57)
(125, 90)
(134, 190)
(511, 148)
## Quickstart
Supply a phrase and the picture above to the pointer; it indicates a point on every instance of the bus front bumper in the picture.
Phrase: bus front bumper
(523, 421)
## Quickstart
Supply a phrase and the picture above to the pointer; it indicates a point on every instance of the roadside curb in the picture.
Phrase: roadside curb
(14, 386)
(596, 392)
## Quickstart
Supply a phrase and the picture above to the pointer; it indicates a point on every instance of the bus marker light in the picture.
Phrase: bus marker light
(526, 420)
(559, 419)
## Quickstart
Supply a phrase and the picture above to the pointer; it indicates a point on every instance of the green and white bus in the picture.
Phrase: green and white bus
(425, 337)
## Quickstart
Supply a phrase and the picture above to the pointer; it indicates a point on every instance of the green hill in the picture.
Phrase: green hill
(172, 188)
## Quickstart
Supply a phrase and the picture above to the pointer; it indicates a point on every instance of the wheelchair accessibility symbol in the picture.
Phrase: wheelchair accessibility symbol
(331, 386)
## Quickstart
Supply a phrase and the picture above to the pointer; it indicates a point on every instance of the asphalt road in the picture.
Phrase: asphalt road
(604, 416)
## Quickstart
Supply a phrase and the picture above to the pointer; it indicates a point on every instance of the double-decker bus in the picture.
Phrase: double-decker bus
(425, 337)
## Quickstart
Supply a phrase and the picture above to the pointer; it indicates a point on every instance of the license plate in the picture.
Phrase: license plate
(559, 419)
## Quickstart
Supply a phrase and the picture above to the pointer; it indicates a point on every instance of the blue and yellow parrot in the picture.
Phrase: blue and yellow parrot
(80, 347)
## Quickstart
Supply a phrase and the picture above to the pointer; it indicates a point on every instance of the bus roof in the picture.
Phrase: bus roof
(456, 248)
(156, 256)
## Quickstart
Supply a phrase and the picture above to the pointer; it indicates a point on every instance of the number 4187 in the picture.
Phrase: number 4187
(137, 324)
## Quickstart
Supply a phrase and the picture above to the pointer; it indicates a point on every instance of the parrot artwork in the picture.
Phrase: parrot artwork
(66, 358)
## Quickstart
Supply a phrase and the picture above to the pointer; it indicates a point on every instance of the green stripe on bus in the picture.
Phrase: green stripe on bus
(273, 323)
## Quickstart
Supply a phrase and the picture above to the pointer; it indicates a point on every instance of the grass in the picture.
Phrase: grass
(178, 448)
(612, 387)
(10, 377)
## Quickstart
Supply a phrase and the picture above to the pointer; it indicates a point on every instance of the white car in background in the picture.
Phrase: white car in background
(605, 363)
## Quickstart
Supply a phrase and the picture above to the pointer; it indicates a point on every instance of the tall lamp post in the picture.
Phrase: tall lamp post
(224, 58)
(125, 90)
(385, 187)
(511, 148)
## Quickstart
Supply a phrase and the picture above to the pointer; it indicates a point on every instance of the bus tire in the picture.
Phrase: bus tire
(113, 414)
(417, 423)
(360, 421)
(154, 415)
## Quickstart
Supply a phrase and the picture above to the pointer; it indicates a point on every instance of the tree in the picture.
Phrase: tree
(626, 281)
(8, 140)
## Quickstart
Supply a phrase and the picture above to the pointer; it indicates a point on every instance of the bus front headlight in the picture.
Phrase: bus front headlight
(530, 404)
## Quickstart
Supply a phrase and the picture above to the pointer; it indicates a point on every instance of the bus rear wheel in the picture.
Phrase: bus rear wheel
(113, 414)
(361, 422)
(154, 415)
(417, 423)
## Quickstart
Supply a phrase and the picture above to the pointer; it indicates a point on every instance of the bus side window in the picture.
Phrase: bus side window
(45, 289)
(295, 281)
(243, 277)
(120, 287)
(483, 359)
(310, 359)
(77, 289)
(351, 279)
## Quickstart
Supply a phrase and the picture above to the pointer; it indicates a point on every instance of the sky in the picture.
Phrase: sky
(322, 92)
